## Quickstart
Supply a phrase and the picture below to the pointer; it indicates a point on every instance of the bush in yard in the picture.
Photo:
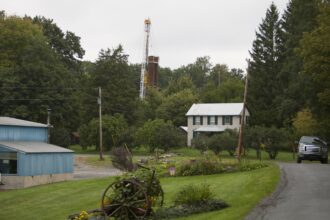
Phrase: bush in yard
(201, 142)
(191, 199)
(122, 159)
(226, 140)
(192, 194)
(159, 134)
(270, 139)
(205, 166)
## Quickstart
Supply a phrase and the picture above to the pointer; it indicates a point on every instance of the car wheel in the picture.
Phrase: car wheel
(298, 160)
(325, 160)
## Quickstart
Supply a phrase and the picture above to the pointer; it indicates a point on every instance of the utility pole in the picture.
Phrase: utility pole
(99, 101)
(48, 125)
(240, 139)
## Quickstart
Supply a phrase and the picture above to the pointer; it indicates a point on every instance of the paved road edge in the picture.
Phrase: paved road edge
(258, 212)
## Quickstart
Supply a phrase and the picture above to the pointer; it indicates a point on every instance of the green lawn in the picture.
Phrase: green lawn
(242, 191)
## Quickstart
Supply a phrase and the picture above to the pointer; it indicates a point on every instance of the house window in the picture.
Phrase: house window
(198, 120)
(8, 162)
(212, 120)
(227, 120)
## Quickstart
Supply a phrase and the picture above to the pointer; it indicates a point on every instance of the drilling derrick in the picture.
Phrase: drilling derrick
(144, 66)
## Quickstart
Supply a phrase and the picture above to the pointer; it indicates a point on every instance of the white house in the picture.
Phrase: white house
(213, 117)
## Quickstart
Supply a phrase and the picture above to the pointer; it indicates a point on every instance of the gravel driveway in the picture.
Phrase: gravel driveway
(84, 171)
(303, 194)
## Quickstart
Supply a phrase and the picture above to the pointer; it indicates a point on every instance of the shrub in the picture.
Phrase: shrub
(200, 167)
(192, 194)
(122, 159)
(270, 139)
(185, 210)
(191, 199)
(200, 142)
(247, 166)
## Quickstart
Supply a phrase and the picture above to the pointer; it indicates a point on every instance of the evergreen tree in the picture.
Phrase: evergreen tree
(315, 52)
(113, 74)
(299, 17)
(263, 70)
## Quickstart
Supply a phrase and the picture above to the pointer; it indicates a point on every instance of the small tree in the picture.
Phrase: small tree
(113, 128)
(304, 123)
(229, 140)
(158, 134)
(201, 142)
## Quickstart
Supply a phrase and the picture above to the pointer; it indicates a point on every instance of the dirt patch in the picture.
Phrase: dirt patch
(82, 170)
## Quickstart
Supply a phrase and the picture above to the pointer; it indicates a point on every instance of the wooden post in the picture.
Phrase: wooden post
(99, 100)
(240, 139)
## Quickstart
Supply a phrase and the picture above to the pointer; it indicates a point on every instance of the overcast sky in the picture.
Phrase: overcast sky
(181, 30)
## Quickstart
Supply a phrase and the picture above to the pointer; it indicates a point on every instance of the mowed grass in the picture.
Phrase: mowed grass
(241, 190)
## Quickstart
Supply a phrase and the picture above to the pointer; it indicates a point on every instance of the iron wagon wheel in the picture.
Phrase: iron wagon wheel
(126, 199)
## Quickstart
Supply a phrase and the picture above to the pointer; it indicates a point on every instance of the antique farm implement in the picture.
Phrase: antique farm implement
(130, 197)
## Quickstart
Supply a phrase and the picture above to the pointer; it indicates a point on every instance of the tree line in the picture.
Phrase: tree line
(289, 69)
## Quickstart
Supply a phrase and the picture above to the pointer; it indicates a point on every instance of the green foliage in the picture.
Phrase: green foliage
(175, 106)
(304, 123)
(296, 89)
(60, 136)
(263, 70)
(200, 142)
(158, 134)
(188, 210)
(226, 140)
(231, 90)
(315, 53)
(269, 139)
(177, 85)
(113, 128)
(148, 180)
(192, 194)
(34, 75)
(246, 165)
(113, 74)
(204, 166)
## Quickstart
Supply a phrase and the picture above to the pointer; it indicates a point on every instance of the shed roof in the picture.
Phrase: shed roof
(215, 109)
(33, 147)
(19, 122)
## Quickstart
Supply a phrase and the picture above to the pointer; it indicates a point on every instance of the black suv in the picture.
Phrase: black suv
(312, 148)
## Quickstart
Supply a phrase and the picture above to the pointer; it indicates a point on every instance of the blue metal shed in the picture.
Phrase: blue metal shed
(34, 158)
(24, 152)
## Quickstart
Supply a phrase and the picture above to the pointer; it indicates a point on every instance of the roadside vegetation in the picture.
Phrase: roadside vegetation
(240, 190)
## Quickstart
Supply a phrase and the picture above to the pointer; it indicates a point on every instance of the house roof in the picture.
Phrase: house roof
(185, 128)
(33, 147)
(210, 129)
(215, 109)
(19, 122)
